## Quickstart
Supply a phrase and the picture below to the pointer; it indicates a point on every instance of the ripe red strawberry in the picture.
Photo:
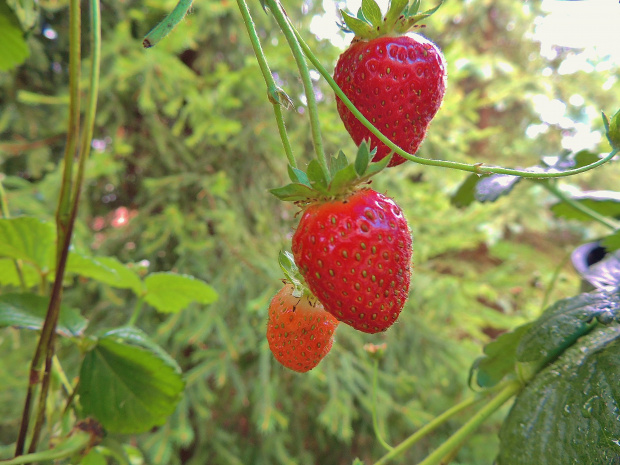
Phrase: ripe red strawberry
(396, 81)
(355, 255)
(299, 331)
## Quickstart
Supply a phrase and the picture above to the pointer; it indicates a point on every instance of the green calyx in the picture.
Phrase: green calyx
(344, 178)
(400, 18)
(612, 129)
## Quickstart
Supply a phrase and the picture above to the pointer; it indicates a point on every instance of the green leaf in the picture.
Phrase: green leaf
(291, 271)
(569, 412)
(298, 176)
(372, 12)
(362, 159)
(29, 310)
(499, 359)
(343, 177)
(606, 203)
(465, 194)
(107, 270)
(612, 127)
(395, 10)
(338, 163)
(490, 188)
(293, 192)
(128, 388)
(355, 25)
(28, 239)
(170, 292)
(612, 242)
(12, 43)
(10, 277)
(317, 176)
(561, 325)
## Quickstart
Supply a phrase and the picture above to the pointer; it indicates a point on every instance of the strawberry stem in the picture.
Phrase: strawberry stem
(290, 35)
(276, 96)
(477, 168)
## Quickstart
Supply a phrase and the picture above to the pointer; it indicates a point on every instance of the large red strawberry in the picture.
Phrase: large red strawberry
(354, 252)
(396, 79)
(299, 331)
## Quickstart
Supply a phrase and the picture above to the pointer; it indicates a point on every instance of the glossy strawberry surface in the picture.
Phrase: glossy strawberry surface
(397, 83)
(299, 330)
(355, 255)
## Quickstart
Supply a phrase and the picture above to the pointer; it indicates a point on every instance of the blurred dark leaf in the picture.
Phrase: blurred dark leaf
(606, 203)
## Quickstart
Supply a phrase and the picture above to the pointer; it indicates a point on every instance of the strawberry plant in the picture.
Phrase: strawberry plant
(138, 361)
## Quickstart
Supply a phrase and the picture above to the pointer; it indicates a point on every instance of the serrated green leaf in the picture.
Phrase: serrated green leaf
(127, 388)
(606, 203)
(337, 163)
(362, 159)
(490, 188)
(465, 194)
(298, 176)
(372, 12)
(613, 130)
(107, 270)
(612, 242)
(12, 43)
(357, 26)
(28, 239)
(293, 192)
(569, 412)
(561, 325)
(170, 292)
(499, 359)
(316, 176)
(29, 310)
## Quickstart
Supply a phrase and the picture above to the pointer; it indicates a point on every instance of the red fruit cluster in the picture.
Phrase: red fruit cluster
(355, 255)
(397, 83)
(299, 331)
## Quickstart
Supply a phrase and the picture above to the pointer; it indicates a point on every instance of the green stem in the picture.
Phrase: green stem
(275, 94)
(6, 213)
(136, 312)
(168, 24)
(554, 280)
(75, 443)
(313, 112)
(428, 428)
(66, 384)
(474, 168)
(375, 423)
(455, 441)
(607, 222)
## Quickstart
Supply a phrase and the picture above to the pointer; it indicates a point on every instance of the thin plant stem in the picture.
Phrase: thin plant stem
(554, 280)
(477, 168)
(136, 312)
(289, 33)
(594, 215)
(6, 213)
(428, 428)
(375, 423)
(456, 440)
(168, 24)
(274, 93)
(62, 214)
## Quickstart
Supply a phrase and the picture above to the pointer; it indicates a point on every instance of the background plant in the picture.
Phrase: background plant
(184, 151)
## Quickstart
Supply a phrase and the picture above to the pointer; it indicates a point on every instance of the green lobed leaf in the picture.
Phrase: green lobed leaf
(29, 310)
(128, 388)
(12, 43)
(561, 325)
(28, 239)
(372, 12)
(569, 412)
(293, 192)
(612, 242)
(355, 25)
(465, 194)
(170, 292)
(606, 203)
(499, 359)
(298, 176)
(107, 270)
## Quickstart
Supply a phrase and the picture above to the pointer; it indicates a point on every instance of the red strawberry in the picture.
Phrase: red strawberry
(355, 253)
(396, 81)
(299, 331)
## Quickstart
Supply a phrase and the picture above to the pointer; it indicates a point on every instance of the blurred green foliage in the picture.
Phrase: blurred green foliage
(185, 151)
